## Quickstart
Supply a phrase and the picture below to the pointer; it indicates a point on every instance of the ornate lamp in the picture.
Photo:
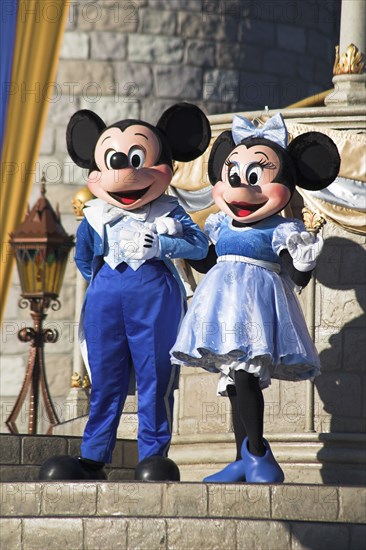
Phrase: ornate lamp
(41, 247)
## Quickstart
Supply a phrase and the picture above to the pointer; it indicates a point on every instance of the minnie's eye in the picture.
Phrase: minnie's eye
(234, 174)
(136, 157)
(254, 174)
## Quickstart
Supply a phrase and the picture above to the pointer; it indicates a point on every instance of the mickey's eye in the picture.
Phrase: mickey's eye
(108, 157)
(136, 157)
(254, 174)
(234, 174)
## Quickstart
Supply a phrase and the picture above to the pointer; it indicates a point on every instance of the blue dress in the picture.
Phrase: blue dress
(244, 313)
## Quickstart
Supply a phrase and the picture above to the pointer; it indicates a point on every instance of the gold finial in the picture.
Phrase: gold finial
(313, 221)
(43, 185)
(352, 61)
(86, 382)
(82, 196)
(76, 381)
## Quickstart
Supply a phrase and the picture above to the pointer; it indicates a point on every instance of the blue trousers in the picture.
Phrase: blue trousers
(131, 317)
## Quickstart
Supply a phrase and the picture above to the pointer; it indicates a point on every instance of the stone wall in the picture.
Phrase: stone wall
(134, 59)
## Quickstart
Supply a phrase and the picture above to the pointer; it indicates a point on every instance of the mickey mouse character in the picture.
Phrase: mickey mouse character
(244, 320)
(125, 245)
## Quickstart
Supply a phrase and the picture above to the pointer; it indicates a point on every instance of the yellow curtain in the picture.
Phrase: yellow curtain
(39, 32)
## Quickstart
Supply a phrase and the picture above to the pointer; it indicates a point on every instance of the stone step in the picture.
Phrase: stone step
(22, 455)
(181, 516)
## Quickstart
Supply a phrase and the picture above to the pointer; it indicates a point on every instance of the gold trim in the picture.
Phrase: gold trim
(352, 61)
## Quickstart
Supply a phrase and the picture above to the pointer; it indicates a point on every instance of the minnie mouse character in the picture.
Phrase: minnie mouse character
(244, 320)
(135, 302)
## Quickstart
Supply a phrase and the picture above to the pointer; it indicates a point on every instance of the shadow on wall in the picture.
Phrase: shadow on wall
(341, 386)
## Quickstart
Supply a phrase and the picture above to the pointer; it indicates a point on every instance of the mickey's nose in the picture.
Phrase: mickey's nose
(119, 161)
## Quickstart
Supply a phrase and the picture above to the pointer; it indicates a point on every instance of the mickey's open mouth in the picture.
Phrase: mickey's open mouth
(129, 197)
(243, 209)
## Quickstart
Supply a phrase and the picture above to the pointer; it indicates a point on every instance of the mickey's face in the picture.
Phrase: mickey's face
(129, 176)
(248, 191)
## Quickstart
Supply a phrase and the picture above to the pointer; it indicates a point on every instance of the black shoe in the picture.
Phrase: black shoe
(68, 468)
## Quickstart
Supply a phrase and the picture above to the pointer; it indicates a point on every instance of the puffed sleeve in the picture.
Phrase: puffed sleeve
(213, 226)
(282, 231)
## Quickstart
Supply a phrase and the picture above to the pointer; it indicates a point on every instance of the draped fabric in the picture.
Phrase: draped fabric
(39, 30)
(7, 35)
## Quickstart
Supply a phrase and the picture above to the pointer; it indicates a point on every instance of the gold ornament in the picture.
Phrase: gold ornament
(352, 61)
(86, 382)
(313, 221)
(76, 381)
(82, 196)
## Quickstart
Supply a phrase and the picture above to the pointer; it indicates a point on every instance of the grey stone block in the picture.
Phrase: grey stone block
(134, 80)
(108, 45)
(105, 533)
(319, 536)
(153, 21)
(205, 24)
(256, 32)
(36, 449)
(130, 454)
(291, 38)
(271, 535)
(258, 90)
(174, 5)
(20, 499)
(130, 499)
(9, 449)
(109, 15)
(19, 473)
(123, 104)
(146, 534)
(306, 503)
(185, 500)
(152, 110)
(11, 534)
(91, 79)
(190, 533)
(238, 501)
(221, 85)
(280, 63)
(56, 533)
(239, 57)
(75, 45)
(177, 82)
(69, 499)
(155, 49)
(200, 53)
(352, 505)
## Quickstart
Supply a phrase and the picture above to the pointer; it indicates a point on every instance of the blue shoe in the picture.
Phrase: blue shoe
(261, 469)
(232, 473)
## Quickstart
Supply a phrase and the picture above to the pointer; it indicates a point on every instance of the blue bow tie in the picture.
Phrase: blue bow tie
(274, 129)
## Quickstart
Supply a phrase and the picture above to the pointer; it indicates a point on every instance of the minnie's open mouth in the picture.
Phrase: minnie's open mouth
(243, 209)
(129, 197)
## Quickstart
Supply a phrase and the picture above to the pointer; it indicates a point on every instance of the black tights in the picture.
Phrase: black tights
(247, 406)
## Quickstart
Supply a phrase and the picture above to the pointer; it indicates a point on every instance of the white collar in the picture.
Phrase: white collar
(98, 212)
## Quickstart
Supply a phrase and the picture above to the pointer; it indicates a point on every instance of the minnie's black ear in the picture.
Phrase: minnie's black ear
(316, 160)
(221, 149)
(82, 134)
(187, 130)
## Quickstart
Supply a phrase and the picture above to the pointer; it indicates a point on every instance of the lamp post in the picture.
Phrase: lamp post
(41, 247)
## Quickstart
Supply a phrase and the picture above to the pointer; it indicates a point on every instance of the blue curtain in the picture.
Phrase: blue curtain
(8, 19)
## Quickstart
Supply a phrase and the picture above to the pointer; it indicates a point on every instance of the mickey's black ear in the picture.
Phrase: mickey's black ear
(82, 134)
(316, 159)
(221, 149)
(187, 130)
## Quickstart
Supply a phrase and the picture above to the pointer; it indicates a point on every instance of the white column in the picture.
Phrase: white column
(353, 25)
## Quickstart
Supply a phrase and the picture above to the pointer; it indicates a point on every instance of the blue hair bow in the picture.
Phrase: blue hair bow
(274, 129)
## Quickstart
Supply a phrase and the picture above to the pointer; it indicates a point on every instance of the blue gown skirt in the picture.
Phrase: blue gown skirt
(243, 316)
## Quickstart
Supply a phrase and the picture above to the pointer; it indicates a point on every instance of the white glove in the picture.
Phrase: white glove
(304, 250)
(168, 226)
(138, 242)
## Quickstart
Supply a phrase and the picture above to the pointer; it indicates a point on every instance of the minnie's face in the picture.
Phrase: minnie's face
(129, 177)
(248, 191)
